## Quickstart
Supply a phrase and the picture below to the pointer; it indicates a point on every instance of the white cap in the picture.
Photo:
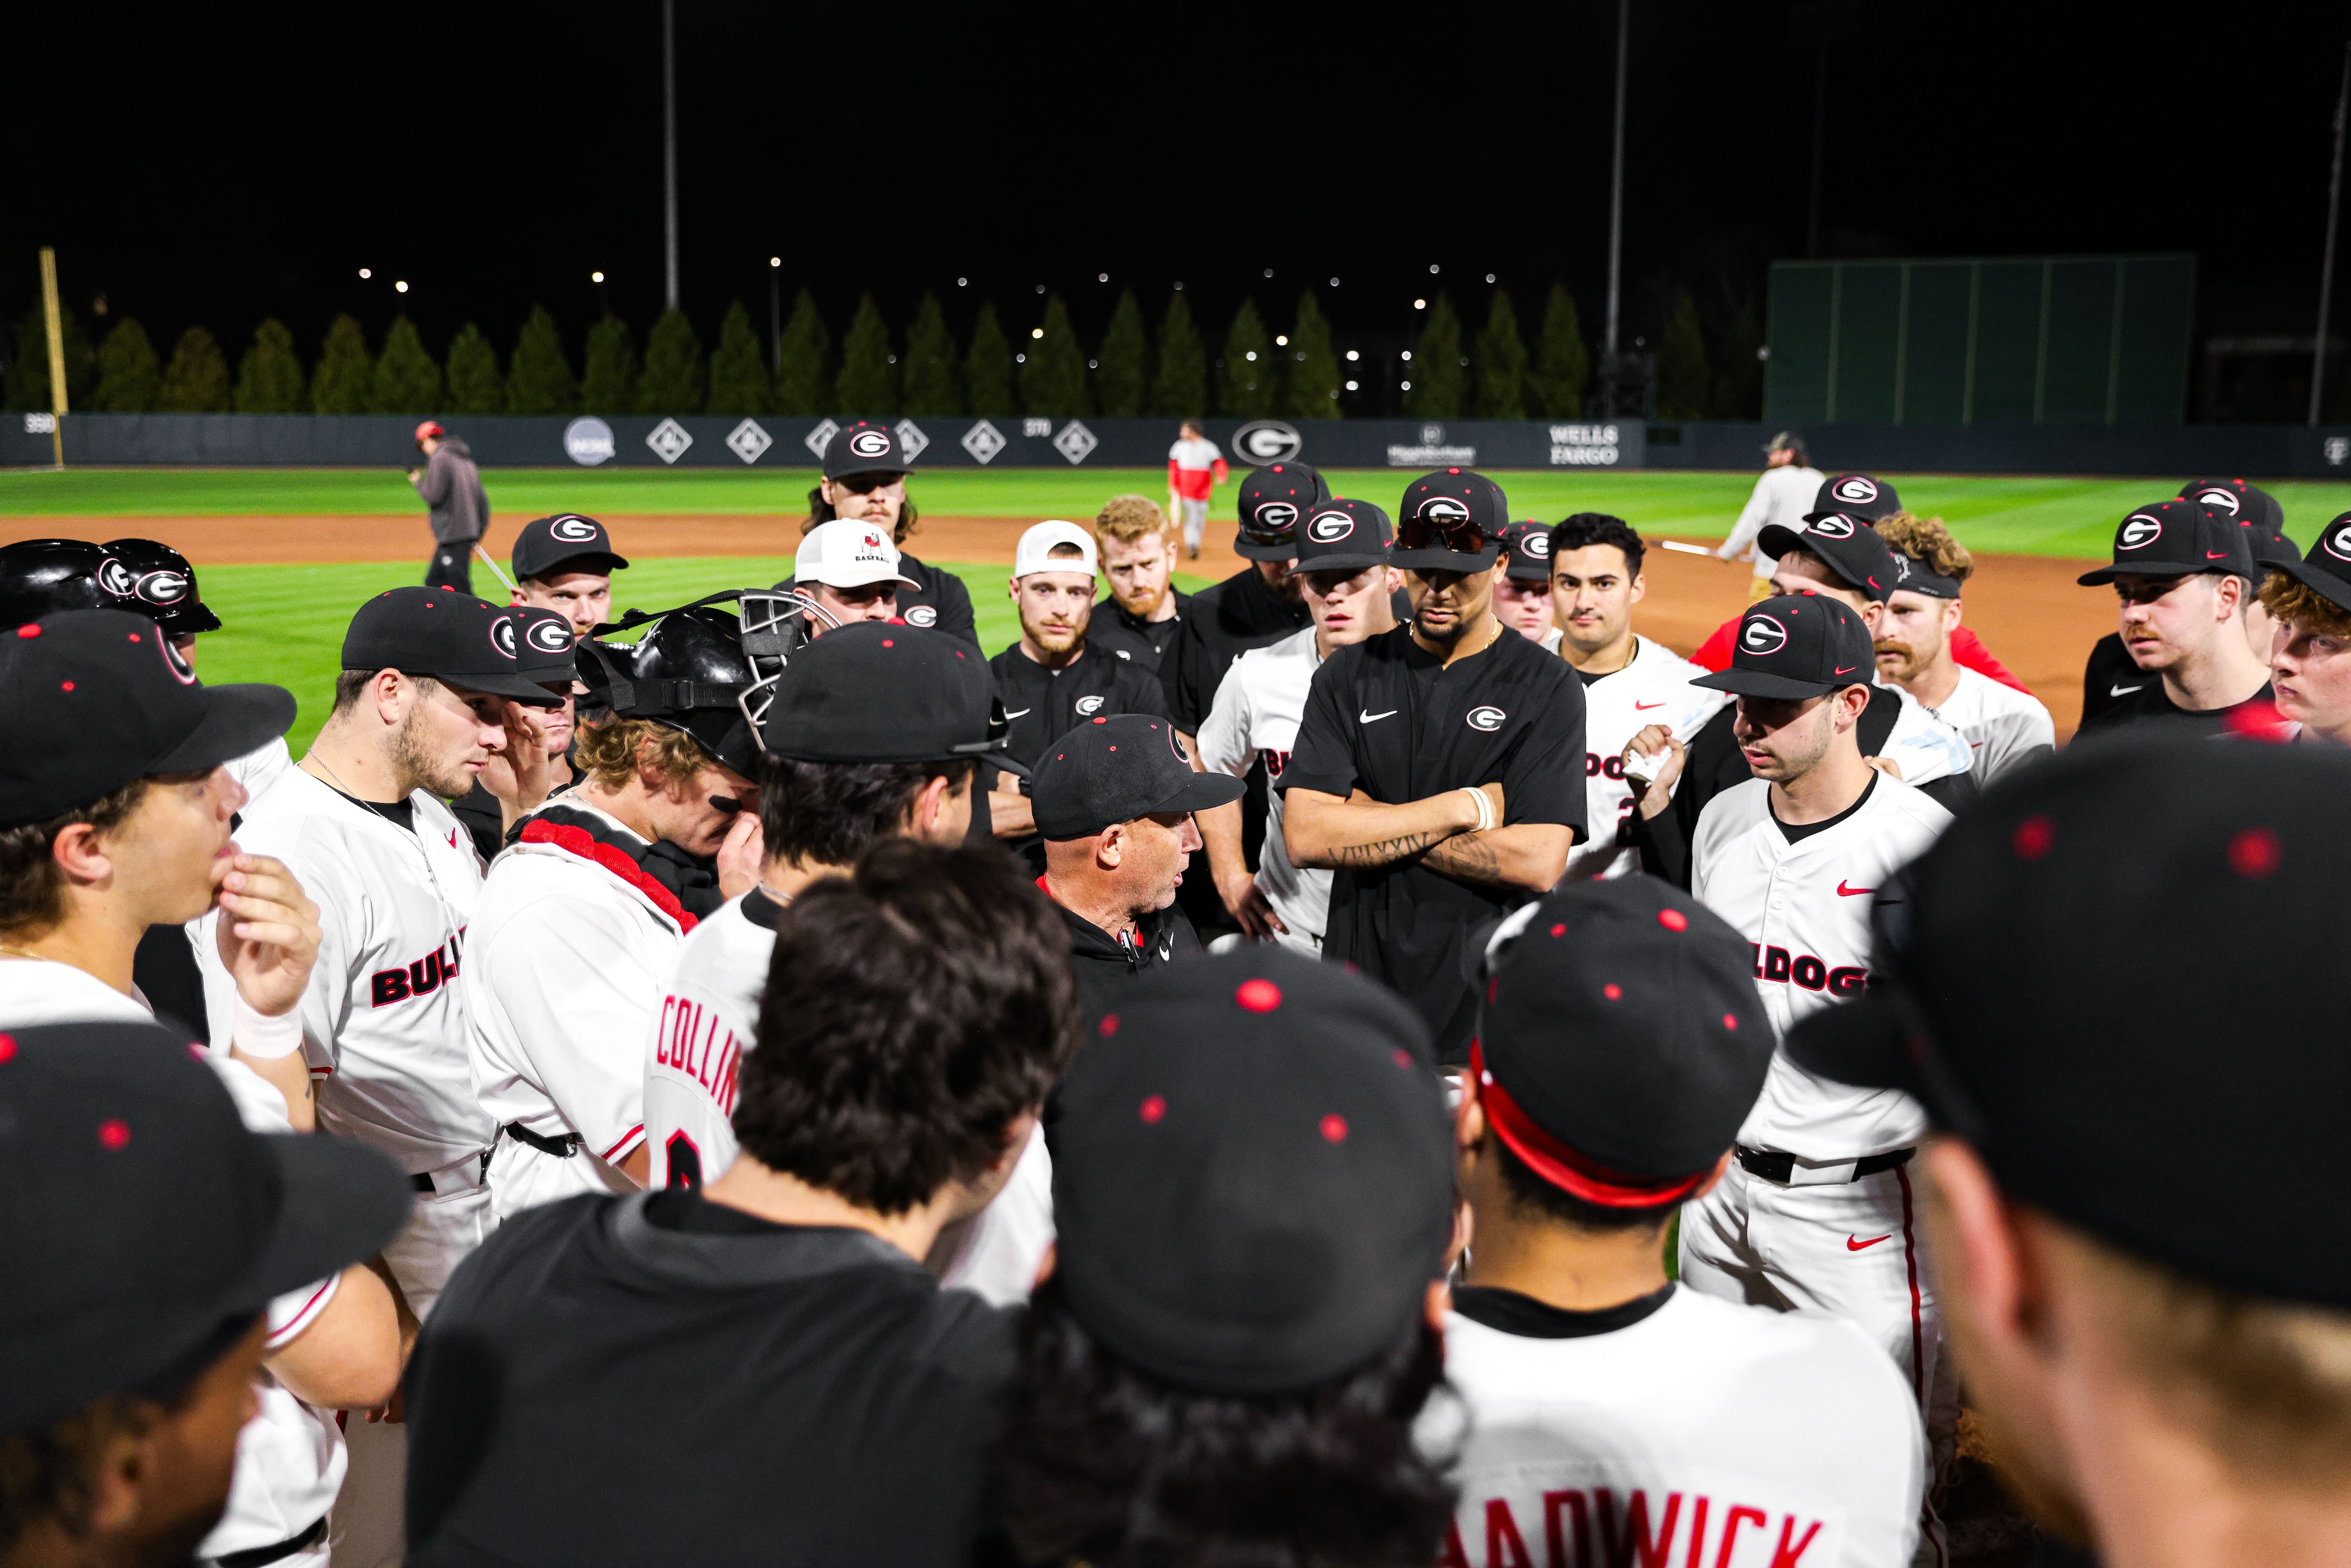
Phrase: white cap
(1035, 552)
(848, 552)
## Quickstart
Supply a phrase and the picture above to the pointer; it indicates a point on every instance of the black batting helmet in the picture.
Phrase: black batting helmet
(38, 576)
(152, 579)
(686, 674)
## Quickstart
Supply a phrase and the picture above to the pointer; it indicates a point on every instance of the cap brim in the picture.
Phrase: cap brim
(601, 561)
(1204, 791)
(1338, 561)
(1759, 684)
(342, 1202)
(1861, 1042)
(237, 720)
(190, 621)
(511, 684)
(867, 582)
(1445, 559)
(2106, 574)
(1779, 539)
(879, 468)
(1527, 572)
(1249, 549)
(2335, 590)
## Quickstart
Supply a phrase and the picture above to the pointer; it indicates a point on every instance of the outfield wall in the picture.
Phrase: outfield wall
(726, 442)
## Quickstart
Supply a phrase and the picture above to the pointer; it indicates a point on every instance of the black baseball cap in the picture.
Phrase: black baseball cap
(152, 579)
(2177, 539)
(1272, 501)
(99, 698)
(1528, 548)
(1796, 646)
(1622, 1042)
(1853, 548)
(1344, 535)
(2326, 570)
(1856, 496)
(1444, 511)
(865, 447)
(566, 541)
(453, 637)
(38, 576)
(1252, 1173)
(2173, 1086)
(145, 1229)
(868, 692)
(1115, 770)
(546, 648)
(2246, 503)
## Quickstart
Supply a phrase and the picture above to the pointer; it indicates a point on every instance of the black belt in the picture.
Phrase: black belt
(562, 1148)
(255, 1556)
(422, 1180)
(1777, 1165)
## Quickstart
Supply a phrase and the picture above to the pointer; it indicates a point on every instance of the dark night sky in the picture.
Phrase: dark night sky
(219, 165)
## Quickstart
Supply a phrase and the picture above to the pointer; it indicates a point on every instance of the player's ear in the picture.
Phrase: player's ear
(1640, 588)
(1109, 846)
(79, 854)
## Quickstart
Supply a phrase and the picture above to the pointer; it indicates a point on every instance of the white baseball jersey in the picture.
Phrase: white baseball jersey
(383, 1026)
(1198, 454)
(1803, 905)
(1255, 713)
(1653, 689)
(707, 1021)
(289, 1458)
(563, 978)
(1926, 747)
(1782, 496)
(2002, 725)
(1706, 1433)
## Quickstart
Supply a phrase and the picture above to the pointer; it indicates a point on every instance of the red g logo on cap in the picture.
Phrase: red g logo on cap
(1856, 488)
(550, 636)
(1442, 510)
(1274, 516)
(2218, 498)
(2139, 530)
(870, 443)
(571, 530)
(502, 636)
(2338, 539)
(1835, 527)
(1762, 635)
(1329, 527)
(176, 661)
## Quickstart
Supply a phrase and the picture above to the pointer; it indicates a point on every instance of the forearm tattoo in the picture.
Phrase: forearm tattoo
(1467, 857)
(1354, 856)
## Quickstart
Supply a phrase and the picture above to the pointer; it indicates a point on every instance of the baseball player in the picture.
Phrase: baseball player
(1256, 605)
(1839, 558)
(2183, 572)
(2310, 673)
(1522, 594)
(450, 485)
(545, 653)
(849, 571)
(1863, 499)
(864, 481)
(1052, 680)
(577, 927)
(429, 691)
(1437, 767)
(1783, 493)
(1343, 561)
(1194, 469)
(1817, 1211)
(565, 563)
(147, 846)
(1139, 618)
(2003, 726)
(1630, 683)
(1620, 1045)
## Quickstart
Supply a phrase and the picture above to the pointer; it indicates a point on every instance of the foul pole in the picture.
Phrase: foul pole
(54, 317)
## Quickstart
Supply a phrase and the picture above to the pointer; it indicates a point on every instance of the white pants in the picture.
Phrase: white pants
(367, 1528)
(1196, 522)
(1851, 1248)
(523, 1178)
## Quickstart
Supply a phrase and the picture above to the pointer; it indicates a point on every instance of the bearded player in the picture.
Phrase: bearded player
(2003, 726)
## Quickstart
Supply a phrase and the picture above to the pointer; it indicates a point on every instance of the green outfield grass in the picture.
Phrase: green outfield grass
(2060, 517)
(283, 624)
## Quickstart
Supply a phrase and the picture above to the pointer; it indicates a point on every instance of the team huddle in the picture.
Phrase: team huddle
(784, 1099)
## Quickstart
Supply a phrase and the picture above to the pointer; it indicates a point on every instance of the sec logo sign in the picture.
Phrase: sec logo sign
(1762, 635)
(2139, 530)
(1488, 718)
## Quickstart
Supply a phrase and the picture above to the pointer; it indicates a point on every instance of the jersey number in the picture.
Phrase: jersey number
(684, 1161)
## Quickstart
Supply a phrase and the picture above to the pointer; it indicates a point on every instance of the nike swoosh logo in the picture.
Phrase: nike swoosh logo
(452, 840)
(2216, 555)
(1019, 712)
(1848, 669)
(1644, 707)
(1365, 716)
(2124, 691)
(1844, 891)
(1854, 1244)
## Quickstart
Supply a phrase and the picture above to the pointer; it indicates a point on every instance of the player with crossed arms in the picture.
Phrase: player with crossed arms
(1816, 1209)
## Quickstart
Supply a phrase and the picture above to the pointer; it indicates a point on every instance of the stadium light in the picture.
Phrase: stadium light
(963, 283)
(1420, 304)
(1036, 331)
(1351, 386)
(1101, 277)
(1334, 283)
(1407, 386)
(1268, 272)
(1432, 269)
(1251, 356)
(595, 278)
(1407, 354)
(401, 287)
(1490, 278)
(774, 261)
(1280, 342)
(365, 273)
(1353, 356)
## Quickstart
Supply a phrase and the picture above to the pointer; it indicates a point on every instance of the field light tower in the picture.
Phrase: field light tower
(669, 144)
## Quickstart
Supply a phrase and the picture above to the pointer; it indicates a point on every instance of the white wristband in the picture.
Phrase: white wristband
(1484, 808)
(264, 1038)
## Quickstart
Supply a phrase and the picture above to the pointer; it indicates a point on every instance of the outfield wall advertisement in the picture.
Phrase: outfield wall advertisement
(731, 442)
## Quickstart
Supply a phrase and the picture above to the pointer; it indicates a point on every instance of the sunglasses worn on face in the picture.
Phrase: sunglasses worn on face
(1459, 535)
(866, 484)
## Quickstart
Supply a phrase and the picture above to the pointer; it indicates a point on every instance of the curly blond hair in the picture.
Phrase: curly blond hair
(2288, 600)
(610, 749)
(1928, 542)
(1127, 519)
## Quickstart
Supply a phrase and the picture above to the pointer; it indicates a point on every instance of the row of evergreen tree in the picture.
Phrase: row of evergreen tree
(1132, 371)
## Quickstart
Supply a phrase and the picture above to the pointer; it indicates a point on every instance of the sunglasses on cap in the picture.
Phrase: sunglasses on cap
(1276, 524)
(1462, 536)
